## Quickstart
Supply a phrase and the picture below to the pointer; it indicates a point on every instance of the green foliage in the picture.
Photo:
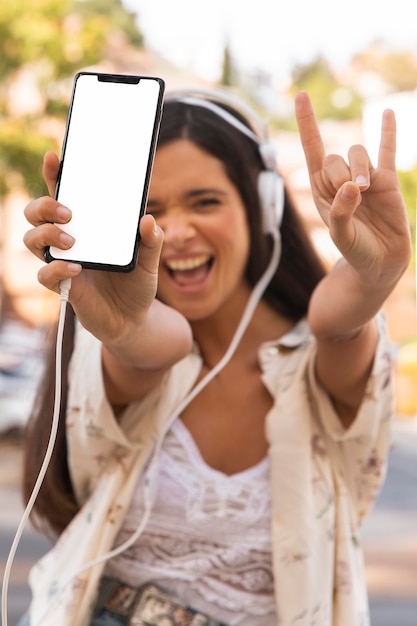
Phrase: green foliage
(24, 146)
(408, 183)
(28, 30)
(329, 98)
(228, 74)
(121, 19)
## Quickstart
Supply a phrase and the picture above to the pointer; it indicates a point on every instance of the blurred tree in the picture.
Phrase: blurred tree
(408, 184)
(330, 98)
(227, 77)
(42, 44)
(121, 19)
(397, 69)
(400, 71)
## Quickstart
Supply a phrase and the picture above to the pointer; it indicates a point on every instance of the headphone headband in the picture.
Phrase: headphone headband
(228, 117)
(260, 132)
(257, 131)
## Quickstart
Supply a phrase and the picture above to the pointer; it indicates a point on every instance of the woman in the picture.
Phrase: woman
(244, 500)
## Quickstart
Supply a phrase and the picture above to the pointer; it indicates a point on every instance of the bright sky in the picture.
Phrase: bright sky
(270, 34)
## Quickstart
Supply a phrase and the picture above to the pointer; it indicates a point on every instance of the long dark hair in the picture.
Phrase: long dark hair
(289, 292)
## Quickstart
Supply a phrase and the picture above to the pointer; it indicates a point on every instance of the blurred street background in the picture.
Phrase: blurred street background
(353, 63)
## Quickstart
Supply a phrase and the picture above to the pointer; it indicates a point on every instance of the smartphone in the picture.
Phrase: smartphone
(106, 164)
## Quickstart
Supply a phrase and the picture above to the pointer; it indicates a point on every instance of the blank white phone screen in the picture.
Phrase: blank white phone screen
(107, 159)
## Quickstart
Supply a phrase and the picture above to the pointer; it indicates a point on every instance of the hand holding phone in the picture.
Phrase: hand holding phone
(106, 164)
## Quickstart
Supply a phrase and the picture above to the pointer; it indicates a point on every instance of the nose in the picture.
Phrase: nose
(177, 226)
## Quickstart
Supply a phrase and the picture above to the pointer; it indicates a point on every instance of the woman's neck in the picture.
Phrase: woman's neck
(213, 335)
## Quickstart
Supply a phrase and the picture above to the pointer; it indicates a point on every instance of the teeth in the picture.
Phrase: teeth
(187, 264)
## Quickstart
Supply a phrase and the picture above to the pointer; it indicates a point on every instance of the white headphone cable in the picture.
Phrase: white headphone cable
(151, 475)
(65, 287)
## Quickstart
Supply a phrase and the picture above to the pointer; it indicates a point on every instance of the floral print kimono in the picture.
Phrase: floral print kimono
(324, 480)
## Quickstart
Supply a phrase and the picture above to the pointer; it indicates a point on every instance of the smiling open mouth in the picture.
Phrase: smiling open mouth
(189, 271)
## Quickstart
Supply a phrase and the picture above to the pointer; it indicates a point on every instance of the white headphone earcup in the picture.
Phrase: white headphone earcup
(271, 197)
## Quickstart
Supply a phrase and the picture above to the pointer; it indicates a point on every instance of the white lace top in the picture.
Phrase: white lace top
(208, 540)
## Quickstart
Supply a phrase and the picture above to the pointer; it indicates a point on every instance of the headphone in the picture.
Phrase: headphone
(270, 183)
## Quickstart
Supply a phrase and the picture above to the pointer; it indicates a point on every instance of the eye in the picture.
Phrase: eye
(206, 202)
(154, 211)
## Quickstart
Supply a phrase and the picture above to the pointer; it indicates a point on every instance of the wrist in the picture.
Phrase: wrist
(155, 341)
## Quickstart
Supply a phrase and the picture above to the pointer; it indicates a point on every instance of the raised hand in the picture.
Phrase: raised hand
(361, 205)
(113, 306)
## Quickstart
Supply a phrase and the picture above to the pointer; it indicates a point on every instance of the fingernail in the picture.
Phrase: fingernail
(63, 213)
(66, 239)
(74, 268)
(361, 180)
